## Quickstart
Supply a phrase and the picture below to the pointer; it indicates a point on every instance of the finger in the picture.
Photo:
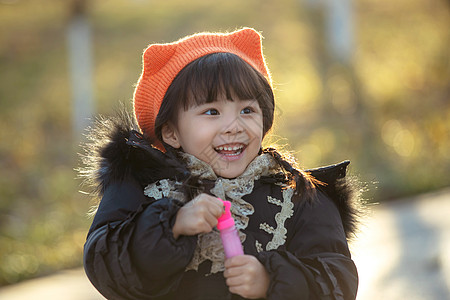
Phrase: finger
(216, 210)
(202, 198)
(231, 272)
(236, 281)
(213, 204)
(215, 201)
(204, 209)
(238, 276)
(208, 198)
(210, 219)
(202, 227)
(234, 290)
(238, 272)
(238, 260)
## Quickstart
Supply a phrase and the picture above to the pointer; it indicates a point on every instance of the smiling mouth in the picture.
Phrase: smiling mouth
(230, 149)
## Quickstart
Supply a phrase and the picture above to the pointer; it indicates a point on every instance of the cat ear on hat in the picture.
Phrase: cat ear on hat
(249, 42)
(156, 57)
(246, 37)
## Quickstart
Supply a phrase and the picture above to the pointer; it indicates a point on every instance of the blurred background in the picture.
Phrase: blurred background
(363, 80)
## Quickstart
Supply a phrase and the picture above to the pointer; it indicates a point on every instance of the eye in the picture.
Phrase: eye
(247, 110)
(211, 112)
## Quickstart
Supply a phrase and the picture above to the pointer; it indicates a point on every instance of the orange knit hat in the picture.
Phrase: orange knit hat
(162, 63)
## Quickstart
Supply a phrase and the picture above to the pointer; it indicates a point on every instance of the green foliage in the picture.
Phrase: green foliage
(387, 111)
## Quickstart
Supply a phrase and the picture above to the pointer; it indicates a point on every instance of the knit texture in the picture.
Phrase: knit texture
(162, 63)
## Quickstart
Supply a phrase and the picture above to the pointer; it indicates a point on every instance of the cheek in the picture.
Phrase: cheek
(197, 141)
(256, 128)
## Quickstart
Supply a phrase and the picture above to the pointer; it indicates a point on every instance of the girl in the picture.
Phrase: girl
(203, 106)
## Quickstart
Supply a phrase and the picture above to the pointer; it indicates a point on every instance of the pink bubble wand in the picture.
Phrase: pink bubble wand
(228, 233)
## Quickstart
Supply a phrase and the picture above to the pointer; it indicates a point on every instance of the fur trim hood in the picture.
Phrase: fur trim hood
(116, 150)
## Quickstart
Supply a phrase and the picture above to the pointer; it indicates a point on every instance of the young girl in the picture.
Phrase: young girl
(203, 105)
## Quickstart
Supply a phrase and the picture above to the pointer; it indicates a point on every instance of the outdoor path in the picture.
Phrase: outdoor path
(402, 252)
(66, 285)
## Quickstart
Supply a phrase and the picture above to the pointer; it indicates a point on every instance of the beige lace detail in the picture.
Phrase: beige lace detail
(275, 201)
(287, 210)
(163, 188)
(209, 245)
(233, 190)
(210, 250)
(259, 246)
(198, 167)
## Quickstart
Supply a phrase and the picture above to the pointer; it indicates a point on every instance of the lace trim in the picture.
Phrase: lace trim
(262, 165)
(164, 188)
(287, 211)
(259, 246)
(209, 245)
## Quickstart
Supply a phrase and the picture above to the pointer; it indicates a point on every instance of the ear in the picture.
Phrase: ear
(170, 135)
(156, 57)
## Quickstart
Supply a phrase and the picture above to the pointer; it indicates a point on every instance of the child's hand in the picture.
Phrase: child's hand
(198, 216)
(246, 276)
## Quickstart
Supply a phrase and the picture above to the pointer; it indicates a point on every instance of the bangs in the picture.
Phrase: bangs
(221, 74)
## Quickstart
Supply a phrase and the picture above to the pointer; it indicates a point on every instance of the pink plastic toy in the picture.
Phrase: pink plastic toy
(228, 232)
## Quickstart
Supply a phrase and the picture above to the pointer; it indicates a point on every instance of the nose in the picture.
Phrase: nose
(234, 127)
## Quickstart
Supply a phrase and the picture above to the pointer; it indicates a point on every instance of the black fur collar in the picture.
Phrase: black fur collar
(117, 150)
(342, 191)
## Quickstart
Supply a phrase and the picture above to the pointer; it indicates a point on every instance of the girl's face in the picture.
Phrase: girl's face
(225, 134)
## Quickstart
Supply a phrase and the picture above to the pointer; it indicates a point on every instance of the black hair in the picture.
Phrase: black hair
(302, 182)
(209, 76)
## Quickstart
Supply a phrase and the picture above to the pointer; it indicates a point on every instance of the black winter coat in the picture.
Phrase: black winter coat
(130, 252)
